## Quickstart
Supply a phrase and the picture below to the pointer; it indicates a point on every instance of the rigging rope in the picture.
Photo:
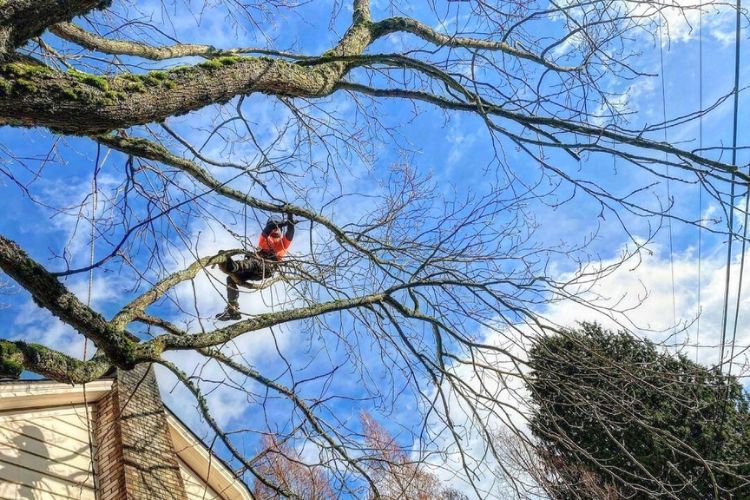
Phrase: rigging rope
(700, 183)
(244, 236)
(94, 202)
(725, 311)
(669, 194)
(747, 206)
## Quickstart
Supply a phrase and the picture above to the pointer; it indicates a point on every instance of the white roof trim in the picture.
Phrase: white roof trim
(45, 394)
(196, 455)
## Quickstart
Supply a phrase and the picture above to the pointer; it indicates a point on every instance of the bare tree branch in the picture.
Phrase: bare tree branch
(91, 41)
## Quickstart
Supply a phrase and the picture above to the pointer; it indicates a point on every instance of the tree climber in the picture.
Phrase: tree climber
(258, 265)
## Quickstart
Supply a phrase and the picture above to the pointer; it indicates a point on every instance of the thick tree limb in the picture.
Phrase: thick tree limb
(21, 20)
(80, 103)
(18, 356)
(73, 102)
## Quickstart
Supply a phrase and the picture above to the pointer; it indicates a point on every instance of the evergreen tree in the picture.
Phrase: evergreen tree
(612, 413)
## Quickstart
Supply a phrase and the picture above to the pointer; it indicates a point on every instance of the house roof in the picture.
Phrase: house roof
(42, 393)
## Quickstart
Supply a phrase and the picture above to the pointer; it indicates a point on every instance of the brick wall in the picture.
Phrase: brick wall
(109, 464)
(135, 455)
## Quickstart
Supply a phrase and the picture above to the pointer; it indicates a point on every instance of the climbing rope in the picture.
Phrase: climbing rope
(244, 234)
(700, 184)
(669, 192)
(747, 206)
(725, 311)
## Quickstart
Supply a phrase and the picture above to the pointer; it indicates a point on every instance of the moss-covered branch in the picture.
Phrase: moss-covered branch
(16, 356)
(92, 41)
(72, 102)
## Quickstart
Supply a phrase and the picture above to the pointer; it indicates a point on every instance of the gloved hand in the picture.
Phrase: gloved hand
(273, 223)
(290, 219)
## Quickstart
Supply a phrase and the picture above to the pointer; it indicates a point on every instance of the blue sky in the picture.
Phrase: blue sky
(454, 150)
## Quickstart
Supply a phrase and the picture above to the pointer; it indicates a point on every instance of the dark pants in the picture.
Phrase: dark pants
(252, 268)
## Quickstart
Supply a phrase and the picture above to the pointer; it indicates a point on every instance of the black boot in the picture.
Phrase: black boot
(231, 313)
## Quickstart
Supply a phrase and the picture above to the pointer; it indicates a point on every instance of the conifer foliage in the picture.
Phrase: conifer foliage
(616, 416)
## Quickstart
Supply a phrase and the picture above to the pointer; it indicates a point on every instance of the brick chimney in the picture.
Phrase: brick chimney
(135, 455)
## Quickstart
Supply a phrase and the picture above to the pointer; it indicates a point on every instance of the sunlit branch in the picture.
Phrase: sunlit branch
(91, 41)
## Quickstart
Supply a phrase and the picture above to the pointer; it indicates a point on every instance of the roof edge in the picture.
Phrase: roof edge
(26, 394)
(205, 463)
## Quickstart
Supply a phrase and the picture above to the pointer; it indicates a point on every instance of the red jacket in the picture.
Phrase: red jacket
(276, 245)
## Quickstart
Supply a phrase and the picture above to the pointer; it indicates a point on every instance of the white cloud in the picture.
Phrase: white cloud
(679, 21)
(461, 142)
(37, 325)
(648, 291)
